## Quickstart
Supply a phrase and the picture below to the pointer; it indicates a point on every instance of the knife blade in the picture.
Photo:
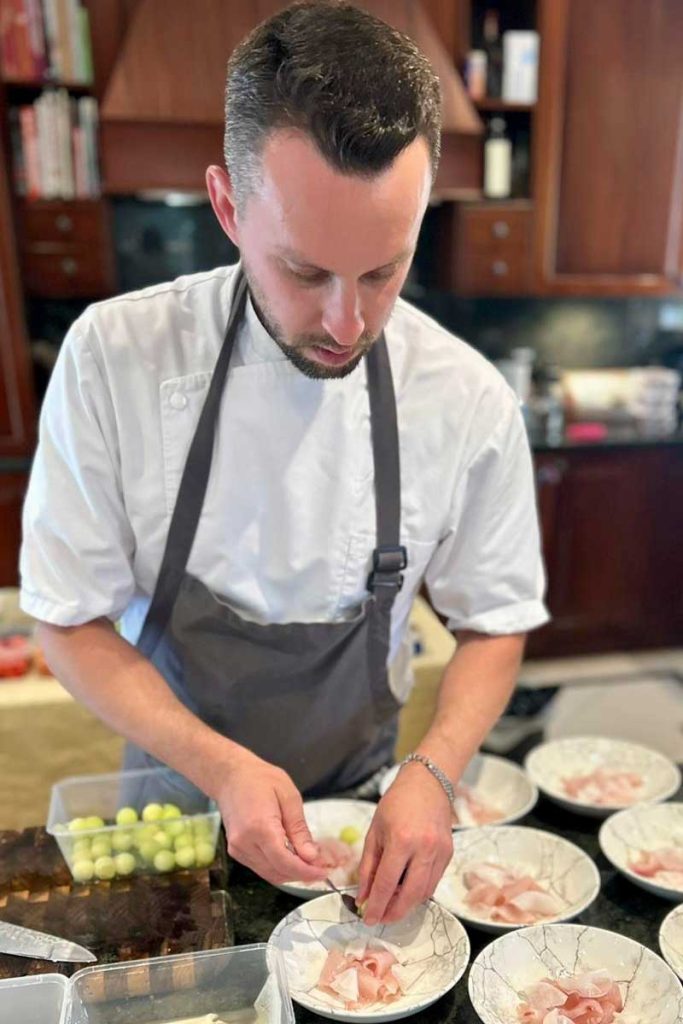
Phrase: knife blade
(20, 941)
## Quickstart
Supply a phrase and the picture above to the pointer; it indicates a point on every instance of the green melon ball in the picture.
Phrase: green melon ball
(126, 816)
(185, 857)
(105, 867)
(204, 853)
(122, 841)
(203, 829)
(350, 834)
(163, 840)
(153, 812)
(124, 864)
(94, 822)
(182, 841)
(175, 828)
(171, 811)
(148, 850)
(77, 824)
(164, 861)
(101, 846)
(83, 869)
(145, 833)
(81, 849)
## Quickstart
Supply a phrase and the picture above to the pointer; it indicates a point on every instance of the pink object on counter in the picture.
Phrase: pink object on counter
(15, 656)
(586, 432)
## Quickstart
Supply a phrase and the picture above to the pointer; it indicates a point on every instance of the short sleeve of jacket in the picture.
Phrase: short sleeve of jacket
(76, 555)
(487, 572)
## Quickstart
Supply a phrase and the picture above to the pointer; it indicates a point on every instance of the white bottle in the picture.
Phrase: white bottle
(497, 161)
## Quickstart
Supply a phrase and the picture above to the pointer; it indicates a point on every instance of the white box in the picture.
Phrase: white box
(520, 66)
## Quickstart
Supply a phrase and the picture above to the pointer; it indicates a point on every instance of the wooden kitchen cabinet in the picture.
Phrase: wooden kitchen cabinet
(485, 248)
(17, 407)
(610, 521)
(12, 491)
(607, 145)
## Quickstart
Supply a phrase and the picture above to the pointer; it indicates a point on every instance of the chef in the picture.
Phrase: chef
(254, 469)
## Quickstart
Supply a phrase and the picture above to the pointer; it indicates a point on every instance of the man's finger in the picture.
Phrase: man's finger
(294, 823)
(286, 863)
(411, 892)
(370, 858)
(392, 864)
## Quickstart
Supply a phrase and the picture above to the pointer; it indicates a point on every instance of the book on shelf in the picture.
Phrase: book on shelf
(54, 147)
(45, 40)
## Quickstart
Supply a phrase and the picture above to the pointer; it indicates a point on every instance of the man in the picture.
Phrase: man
(282, 485)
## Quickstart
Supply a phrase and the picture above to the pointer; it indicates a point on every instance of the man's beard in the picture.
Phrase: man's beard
(294, 351)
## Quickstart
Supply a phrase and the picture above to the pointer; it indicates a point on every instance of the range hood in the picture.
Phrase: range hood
(162, 104)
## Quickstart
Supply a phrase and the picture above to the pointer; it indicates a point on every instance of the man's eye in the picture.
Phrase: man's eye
(310, 277)
(378, 276)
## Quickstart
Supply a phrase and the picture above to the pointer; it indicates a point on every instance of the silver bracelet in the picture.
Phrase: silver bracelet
(440, 776)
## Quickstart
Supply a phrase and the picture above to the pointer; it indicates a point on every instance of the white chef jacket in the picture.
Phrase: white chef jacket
(288, 525)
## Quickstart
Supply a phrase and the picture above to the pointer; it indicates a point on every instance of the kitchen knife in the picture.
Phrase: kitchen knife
(21, 941)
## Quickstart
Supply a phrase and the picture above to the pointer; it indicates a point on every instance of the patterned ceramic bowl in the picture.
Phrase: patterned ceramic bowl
(430, 945)
(671, 939)
(561, 869)
(559, 763)
(645, 829)
(501, 973)
(498, 783)
(342, 820)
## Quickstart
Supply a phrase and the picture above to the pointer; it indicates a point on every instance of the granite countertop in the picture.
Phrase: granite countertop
(621, 907)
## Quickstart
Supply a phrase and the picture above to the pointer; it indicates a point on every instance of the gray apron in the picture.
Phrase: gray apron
(312, 698)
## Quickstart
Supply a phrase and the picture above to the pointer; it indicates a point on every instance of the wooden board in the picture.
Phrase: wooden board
(126, 919)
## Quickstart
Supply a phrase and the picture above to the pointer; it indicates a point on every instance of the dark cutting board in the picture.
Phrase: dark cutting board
(126, 919)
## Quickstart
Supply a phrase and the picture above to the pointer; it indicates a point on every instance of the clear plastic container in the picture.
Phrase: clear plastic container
(171, 843)
(41, 999)
(240, 985)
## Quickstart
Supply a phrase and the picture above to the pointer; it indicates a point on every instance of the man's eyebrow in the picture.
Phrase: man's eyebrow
(294, 257)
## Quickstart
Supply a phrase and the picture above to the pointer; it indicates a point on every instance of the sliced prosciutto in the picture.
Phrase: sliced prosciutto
(665, 866)
(360, 975)
(341, 859)
(591, 998)
(507, 895)
(604, 787)
(469, 809)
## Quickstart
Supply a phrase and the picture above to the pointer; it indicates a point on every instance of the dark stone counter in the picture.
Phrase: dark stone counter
(620, 907)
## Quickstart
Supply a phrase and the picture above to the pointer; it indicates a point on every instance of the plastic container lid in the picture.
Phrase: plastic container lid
(40, 999)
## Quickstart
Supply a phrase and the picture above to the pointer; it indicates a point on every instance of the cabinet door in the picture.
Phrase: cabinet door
(597, 521)
(16, 390)
(608, 147)
(12, 490)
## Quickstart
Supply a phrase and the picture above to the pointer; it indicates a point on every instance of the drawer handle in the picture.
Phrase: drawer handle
(64, 223)
(69, 266)
(500, 229)
(499, 268)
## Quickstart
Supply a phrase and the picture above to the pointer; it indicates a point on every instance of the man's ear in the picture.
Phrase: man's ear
(221, 194)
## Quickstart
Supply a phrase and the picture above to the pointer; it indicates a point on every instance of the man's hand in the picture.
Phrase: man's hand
(407, 847)
(264, 820)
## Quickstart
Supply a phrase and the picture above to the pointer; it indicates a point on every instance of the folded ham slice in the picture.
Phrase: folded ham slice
(470, 809)
(604, 787)
(507, 895)
(665, 865)
(360, 975)
(341, 859)
(590, 998)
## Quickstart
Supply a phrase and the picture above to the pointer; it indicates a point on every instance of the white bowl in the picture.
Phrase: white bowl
(560, 867)
(549, 763)
(328, 818)
(429, 938)
(671, 939)
(643, 827)
(511, 963)
(497, 781)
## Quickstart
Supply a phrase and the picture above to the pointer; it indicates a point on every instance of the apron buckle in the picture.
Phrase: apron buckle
(387, 562)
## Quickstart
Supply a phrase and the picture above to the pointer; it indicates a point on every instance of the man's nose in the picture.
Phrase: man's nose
(342, 318)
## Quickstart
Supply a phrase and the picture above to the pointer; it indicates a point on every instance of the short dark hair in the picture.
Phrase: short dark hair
(360, 90)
